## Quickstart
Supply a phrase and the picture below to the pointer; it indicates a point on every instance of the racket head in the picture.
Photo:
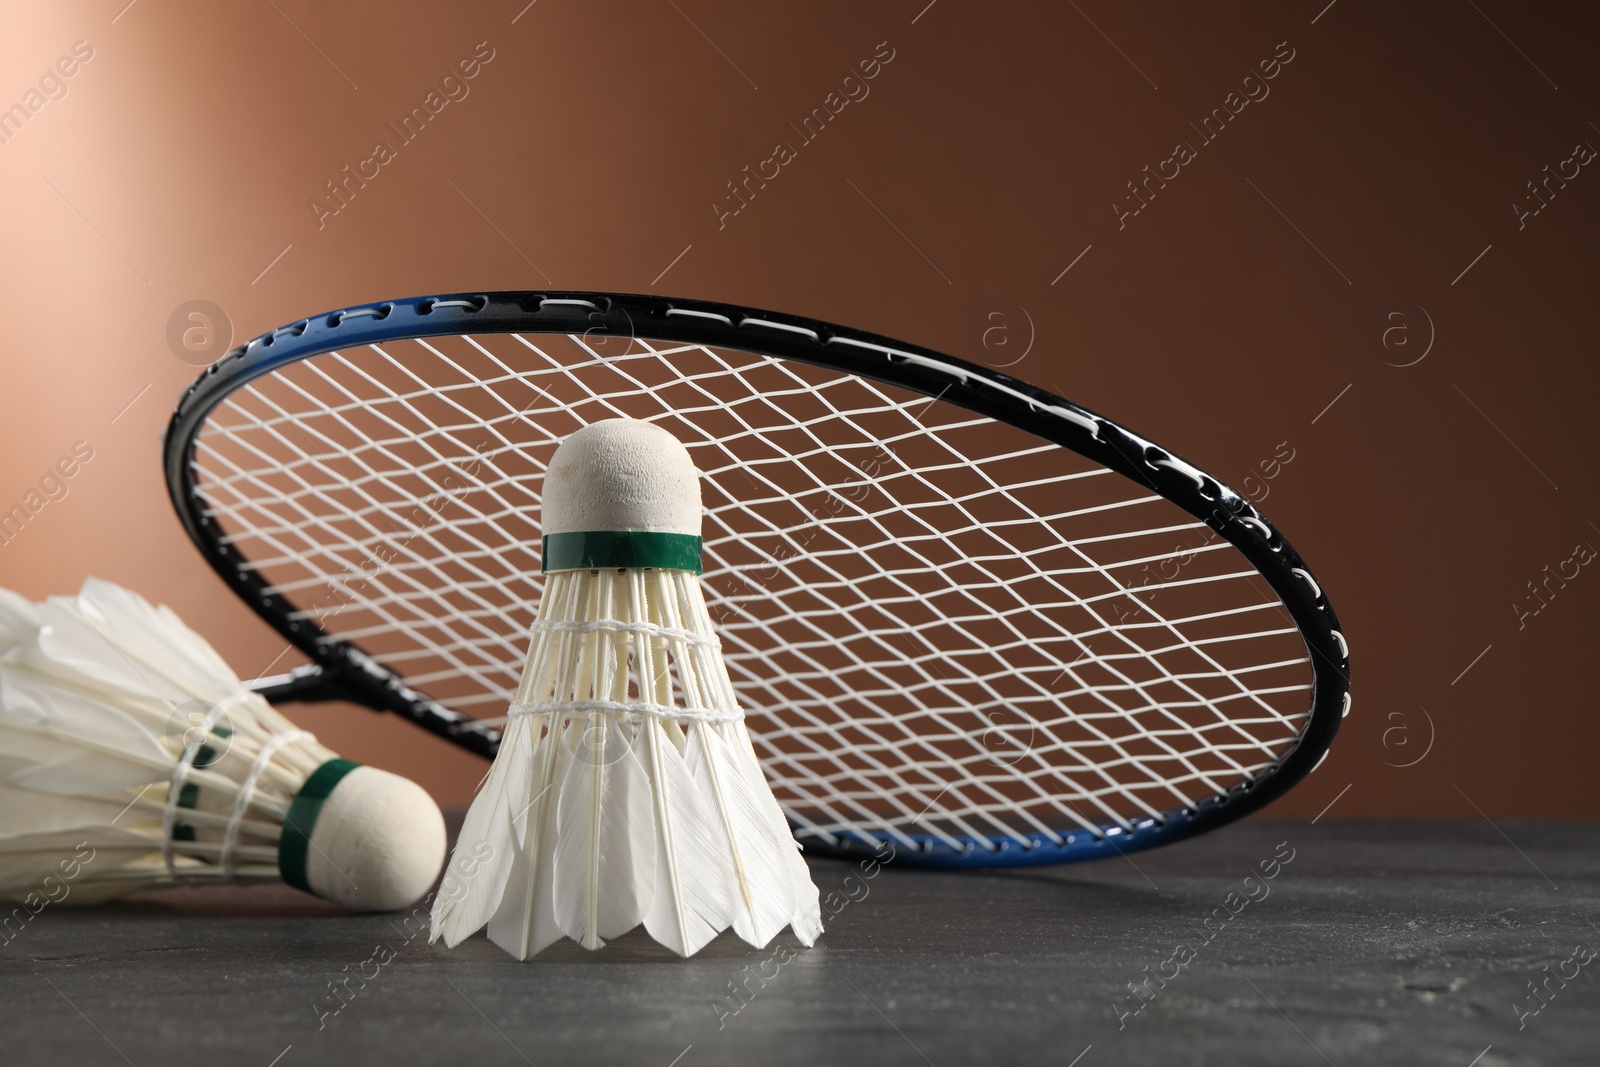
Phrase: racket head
(899, 593)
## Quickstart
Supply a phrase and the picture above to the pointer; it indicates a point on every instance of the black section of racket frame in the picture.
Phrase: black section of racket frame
(340, 670)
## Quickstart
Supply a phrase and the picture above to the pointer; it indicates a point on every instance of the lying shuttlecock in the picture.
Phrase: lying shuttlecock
(131, 757)
(626, 790)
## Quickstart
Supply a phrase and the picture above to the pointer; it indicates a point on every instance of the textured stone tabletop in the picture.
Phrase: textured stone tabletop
(1270, 942)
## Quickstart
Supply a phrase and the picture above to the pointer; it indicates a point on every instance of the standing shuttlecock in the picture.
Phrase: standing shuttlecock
(131, 757)
(626, 790)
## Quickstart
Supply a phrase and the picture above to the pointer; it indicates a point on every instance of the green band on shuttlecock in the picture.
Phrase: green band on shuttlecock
(604, 549)
(295, 842)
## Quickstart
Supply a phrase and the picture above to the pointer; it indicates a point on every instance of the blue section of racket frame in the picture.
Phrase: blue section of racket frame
(1039, 850)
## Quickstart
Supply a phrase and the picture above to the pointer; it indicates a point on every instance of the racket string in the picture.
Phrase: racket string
(995, 667)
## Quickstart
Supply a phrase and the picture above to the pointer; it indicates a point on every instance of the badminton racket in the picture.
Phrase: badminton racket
(966, 617)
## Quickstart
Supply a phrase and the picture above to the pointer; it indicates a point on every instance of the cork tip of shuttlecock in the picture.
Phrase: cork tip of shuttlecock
(378, 843)
(622, 474)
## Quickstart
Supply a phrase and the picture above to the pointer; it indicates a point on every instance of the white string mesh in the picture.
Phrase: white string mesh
(936, 623)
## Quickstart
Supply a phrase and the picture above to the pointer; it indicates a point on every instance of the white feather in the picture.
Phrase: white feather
(525, 923)
(26, 808)
(475, 878)
(755, 860)
(604, 870)
(54, 739)
(806, 920)
(692, 903)
(711, 678)
(115, 637)
(19, 621)
(67, 856)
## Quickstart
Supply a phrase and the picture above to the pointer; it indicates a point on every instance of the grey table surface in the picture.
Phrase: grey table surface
(1405, 943)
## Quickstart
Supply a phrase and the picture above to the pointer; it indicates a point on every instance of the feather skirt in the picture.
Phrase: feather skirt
(626, 790)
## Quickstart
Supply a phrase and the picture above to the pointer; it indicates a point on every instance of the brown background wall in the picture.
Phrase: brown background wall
(1342, 270)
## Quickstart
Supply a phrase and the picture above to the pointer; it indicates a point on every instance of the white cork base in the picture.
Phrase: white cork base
(622, 474)
(378, 843)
